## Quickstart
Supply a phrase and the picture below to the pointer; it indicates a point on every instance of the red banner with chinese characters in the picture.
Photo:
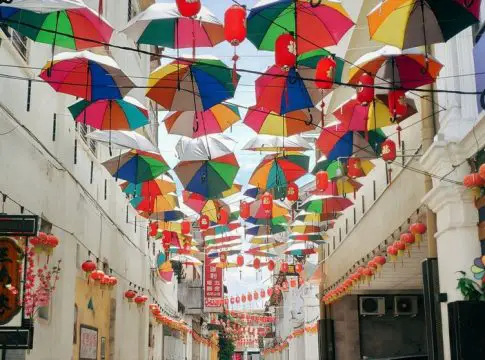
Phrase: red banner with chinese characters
(213, 287)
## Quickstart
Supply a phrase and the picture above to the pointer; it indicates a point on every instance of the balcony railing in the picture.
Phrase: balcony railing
(18, 41)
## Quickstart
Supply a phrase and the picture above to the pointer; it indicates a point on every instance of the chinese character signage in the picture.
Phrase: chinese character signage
(213, 287)
(88, 344)
(10, 267)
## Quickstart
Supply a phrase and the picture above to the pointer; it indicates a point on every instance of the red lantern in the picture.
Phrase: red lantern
(388, 150)
(298, 268)
(293, 283)
(271, 265)
(408, 239)
(235, 25)
(285, 51)
(244, 210)
(185, 227)
(240, 260)
(267, 202)
(52, 241)
(269, 292)
(140, 300)
(262, 293)
(113, 281)
(257, 263)
(130, 295)
(232, 300)
(392, 252)
(293, 193)
(473, 181)
(481, 171)
(97, 275)
(166, 239)
(398, 106)
(365, 91)
(256, 296)
(188, 8)
(243, 298)
(354, 168)
(284, 285)
(418, 229)
(322, 180)
(223, 217)
(372, 264)
(204, 222)
(88, 267)
(400, 246)
(153, 229)
(284, 267)
(380, 260)
(250, 297)
(238, 299)
(368, 273)
(325, 73)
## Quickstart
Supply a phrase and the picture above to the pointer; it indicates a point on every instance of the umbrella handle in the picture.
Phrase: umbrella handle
(317, 3)
(292, 80)
(309, 121)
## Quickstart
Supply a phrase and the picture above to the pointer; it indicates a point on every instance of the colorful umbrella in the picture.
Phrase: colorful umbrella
(315, 238)
(221, 229)
(150, 188)
(315, 218)
(278, 170)
(412, 23)
(310, 60)
(270, 143)
(194, 124)
(208, 177)
(191, 84)
(166, 216)
(286, 91)
(123, 140)
(408, 69)
(186, 260)
(302, 228)
(203, 148)
(121, 114)
(261, 230)
(338, 168)
(136, 166)
(256, 210)
(204, 206)
(160, 203)
(221, 240)
(165, 271)
(268, 122)
(317, 24)
(295, 250)
(356, 117)
(86, 75)
(326, 204)
(70, 25)
(279, 220)
(163, 25)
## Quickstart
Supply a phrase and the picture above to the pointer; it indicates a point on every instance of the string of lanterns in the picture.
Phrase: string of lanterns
(309, 328)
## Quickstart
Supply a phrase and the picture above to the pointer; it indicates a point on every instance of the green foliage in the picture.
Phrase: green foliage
(226, 348)
(470, 289)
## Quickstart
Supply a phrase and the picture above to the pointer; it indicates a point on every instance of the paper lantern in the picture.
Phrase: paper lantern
(365, 91)
(284, 285)
(204, 222)
(408, 239)
(298, 268)
(113, 281)
(271, 265)
(235, 29)
(293, 283)
(400, 246)
(380, 261)
(392, 252)
(153, 229)
(325, 73)
(238, 299)
(388, 150)
(269, 292)
(255, 296)
(233, 300)
(267, 202)
(285, 51)
(284, 267)
(368, 274)
(185, 226)
(88, 267)
(250, 297)
(130, 295)
(188, 8)
(97, 275)
(243, 298)
(262, 293)
(257, 263)
(240, 260)
(354, 168)
(322, 181)
(418, 229)
(398, 106)
(244, 210)
(223, 217)
(293, 192)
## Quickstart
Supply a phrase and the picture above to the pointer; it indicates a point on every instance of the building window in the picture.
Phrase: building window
(363, 204)
(19, 41)
(74, 337)
(83, 131)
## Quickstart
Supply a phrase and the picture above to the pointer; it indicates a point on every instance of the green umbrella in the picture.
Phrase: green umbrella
(310, 59)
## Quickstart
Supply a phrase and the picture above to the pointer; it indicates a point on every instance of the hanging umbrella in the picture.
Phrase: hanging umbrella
(208, 177)
(191, 84)
(304, 229)
(150, 188)
(162, 25)
(286, 91)
(278, 170)
(121, 114)
(166, 216)
(256, 210)
(86, 75)
(315, 218)
(317, 24)
(204, 206)
(203, 148)
(337, 169)
(408, 69)
(165, 271)
(268, 122)
(266, 246)
(220, 229)
(296, 250)
(356, 117)
(67, 24)
(166, 202)
(326, 204)
(412, 23)
(316, 238)
(123, 140)
(194, 124)
(186, 260)
(270, 143)
(221, 240)
(261, 230)
(310, 60)
(279, 220)
(216, 255)
(136, 166)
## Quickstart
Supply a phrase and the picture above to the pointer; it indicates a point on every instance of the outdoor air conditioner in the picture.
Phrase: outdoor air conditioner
(405, 305)
(372, 305)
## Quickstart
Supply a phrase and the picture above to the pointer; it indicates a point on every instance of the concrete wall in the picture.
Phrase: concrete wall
(346, 324)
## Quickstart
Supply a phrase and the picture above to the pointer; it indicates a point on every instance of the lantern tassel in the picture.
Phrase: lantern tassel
(235, 58)
(398, 129)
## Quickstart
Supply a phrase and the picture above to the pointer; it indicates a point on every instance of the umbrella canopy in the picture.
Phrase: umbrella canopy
(412, 23)
(162, 25)
(86, 75)
(203, 148)
(278, 220)
(256, 210)
(277, 170)
(165, 216)
(296, 250)
(270, 143)
(150, 188)
(317, 24)
(221, 240)
(262, 230)
(136, 166)
(408, 69)
(119, 114)
(356, 117)
(208, 177)
(286, 91)
(194, 124)
(204, 206)
(70, 24)
(310, 60)
(186, 260)
(123, 139)
(315, 218)
(339, 168)
(315, 238)
(165, 270)
(191, 84)
(268, 122)
(304, 229)
(160, 203)
(326, 204)
(221, 229)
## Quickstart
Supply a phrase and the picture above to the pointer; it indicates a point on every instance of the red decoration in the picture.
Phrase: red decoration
(113, 281)
(373, 265)
(153, 229)
(97, 275)
(267, 202)
(232, 300)
(257, 263)
(270, 292)
(188, 8)
(398, 106)
(392, 252)
(166, 239)
(240, 260)
(298, 268)
(284, 285)
(235, 25)
(140, 300)
(250, 297)
(388, 150)
(243, 298)
(238, 299)
(223, 257)
(285, 51)
(365, 93)
(223, 217)
(262, 293)
(380, 260)
(293, 283)
(408, 239)
(418, 229)
(354, 168)
(325, 73)
(256, 296)
(284, 267)
(204, 222)
(130, 295)
(322, 180)
(473, 181)
(400, 246)
(368, 273)
(271, 265)
(185, 227)
(293, 192)
(88, 267)
(244, 210)
(481, 171)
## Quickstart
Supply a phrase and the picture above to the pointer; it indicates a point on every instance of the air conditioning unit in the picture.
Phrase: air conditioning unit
(372, 305)
(405, 305)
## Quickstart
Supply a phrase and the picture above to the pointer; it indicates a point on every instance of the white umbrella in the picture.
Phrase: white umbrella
(277, 143)
(204, 148)
(187, 260)
(123, 140)
(45, 6)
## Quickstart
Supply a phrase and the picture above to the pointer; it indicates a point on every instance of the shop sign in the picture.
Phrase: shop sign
(88, 344)
(213, 287)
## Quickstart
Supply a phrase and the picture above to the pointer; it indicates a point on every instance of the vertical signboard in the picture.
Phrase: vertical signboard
(213, 287)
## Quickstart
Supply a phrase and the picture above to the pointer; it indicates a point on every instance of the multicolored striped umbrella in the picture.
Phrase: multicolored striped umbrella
(323, 204)
(315, 218)
(120, 114)
(310, 60)
(43, 6)
(279, 209)
(279, 220)
(74, 26)
(221, 229)
(86, 75)
(318, 24)
(194, 124)
(304, 229)
(338, 168)
(295, 250)
(166, 216)
(270, 143)
(160, 203)
(150, 188)
(315, 238)
(261, 230)
(412, 23)
(136, 166)
(204, 206)
(162, 25)
(191, 84)
(277, 170)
